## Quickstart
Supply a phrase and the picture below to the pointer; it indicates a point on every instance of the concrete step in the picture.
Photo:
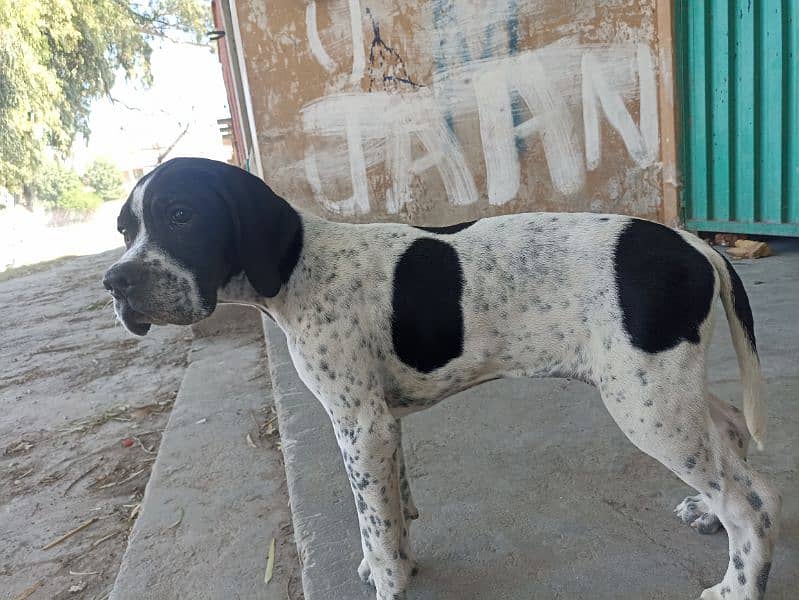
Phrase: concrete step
(213, 502)
(325, 523)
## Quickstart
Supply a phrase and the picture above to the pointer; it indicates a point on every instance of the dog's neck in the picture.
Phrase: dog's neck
(239, 290)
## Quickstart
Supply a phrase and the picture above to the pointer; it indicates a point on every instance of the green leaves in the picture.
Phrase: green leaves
(53, 181)
(61, 188)
(105, 178)
(79, 200)
(56, 56)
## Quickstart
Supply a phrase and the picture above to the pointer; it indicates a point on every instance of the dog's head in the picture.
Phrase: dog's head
(189, 226)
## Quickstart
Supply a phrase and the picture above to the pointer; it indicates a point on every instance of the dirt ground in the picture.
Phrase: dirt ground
(82, 408)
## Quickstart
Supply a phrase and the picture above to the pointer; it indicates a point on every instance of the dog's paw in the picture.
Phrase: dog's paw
(690, 509)
(695, 512)
(365, 572)
(717, 592)
(412, 513)
(707, 524)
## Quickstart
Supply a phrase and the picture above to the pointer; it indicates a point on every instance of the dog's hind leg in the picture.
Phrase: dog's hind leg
(730, 422)
(659, 403)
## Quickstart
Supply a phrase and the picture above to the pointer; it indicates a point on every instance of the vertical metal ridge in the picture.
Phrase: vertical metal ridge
(757, 47)
(785, 102)
(697, 100)
(790, 53)
(770, 193)
(732, 108)
(719, 61)
(708, 106)
(745, 92)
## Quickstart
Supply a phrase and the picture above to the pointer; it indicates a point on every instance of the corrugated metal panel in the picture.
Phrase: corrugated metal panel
(739, 72)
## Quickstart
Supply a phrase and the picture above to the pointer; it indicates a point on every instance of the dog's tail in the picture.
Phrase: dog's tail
(742, 328)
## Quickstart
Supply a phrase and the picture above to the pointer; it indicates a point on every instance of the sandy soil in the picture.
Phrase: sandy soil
(82, 407)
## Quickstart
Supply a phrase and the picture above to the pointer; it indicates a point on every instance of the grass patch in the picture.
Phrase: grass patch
(14, 272)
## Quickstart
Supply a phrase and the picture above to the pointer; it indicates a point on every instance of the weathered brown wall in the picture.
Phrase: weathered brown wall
(439, 111)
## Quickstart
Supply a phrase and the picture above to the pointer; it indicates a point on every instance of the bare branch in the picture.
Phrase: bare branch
(118, 101)
(163, 155)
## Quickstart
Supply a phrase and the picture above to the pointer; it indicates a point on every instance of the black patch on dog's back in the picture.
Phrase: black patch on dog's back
(427, 319)
(447, 229)
(665, 286)
(740, 302)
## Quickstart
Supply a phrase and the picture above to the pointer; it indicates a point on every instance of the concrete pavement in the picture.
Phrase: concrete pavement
(215, 498)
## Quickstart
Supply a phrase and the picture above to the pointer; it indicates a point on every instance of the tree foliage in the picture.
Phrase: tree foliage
(56, 56)
(105, 178)
(52, 182)
(60, 189)
(78, 201)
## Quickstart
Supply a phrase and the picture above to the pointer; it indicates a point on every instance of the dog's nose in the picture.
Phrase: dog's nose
(121, 278)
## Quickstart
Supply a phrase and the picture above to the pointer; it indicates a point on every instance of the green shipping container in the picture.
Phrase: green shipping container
(738, 64)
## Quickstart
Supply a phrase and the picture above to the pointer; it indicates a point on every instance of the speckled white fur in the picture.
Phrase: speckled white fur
(539, 299)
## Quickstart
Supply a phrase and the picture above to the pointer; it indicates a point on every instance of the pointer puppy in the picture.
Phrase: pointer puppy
(383, 320)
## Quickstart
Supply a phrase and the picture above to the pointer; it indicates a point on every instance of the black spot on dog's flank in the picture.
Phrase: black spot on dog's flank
(427, 319)
(665, 286)
(447, 229)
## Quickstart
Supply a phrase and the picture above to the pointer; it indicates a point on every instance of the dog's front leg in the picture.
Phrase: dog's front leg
(408, 505)
(370, 445)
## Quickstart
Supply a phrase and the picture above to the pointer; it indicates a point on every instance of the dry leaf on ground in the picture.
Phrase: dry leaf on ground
(749, 249)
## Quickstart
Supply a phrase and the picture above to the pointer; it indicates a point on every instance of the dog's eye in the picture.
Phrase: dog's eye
(180, 216)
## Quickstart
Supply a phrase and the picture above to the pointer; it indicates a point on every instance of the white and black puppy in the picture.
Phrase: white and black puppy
(385, 319)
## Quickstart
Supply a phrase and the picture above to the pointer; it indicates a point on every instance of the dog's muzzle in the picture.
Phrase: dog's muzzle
(122, 280)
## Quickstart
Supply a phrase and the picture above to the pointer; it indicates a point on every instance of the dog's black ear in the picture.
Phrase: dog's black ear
(267, 230)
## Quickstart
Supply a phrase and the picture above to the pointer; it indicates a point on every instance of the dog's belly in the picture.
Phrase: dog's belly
(541, 344)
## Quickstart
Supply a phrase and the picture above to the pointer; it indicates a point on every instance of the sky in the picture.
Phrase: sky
(187, 90)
